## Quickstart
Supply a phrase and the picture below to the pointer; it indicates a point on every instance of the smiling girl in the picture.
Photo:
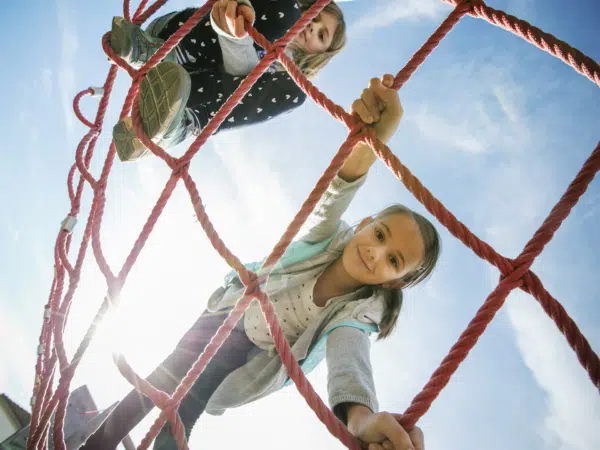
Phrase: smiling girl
(334, 287)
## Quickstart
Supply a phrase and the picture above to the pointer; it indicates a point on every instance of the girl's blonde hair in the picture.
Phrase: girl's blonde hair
(311, 63)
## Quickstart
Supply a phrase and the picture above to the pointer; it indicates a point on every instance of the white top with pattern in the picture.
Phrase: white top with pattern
(294, 308)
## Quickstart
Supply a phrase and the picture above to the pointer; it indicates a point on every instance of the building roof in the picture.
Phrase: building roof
(22, 416)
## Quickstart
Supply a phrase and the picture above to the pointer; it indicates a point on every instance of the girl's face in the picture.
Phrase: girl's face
(317, 36)
(384, 250)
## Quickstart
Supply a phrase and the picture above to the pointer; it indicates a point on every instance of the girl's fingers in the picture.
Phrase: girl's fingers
(380, 91)
(387, 445)
(230, 16)
(240, 31)
(378, 98)
(388, 80)
(375, 447)
(247, 12)
(394, 433)
(418, 440)
(385, 94)
(370, 101)
(361, 110)
(215, 13)
(221, 7)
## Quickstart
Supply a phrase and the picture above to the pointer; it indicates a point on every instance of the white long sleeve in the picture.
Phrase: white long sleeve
(239, 54)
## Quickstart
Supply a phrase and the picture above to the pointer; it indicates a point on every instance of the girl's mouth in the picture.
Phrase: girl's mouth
(363, 261)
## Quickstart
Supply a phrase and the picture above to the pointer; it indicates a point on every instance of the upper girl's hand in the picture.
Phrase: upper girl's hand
(231, 17)
(379, 105)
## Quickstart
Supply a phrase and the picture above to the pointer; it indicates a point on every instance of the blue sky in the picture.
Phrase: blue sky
(494, 127)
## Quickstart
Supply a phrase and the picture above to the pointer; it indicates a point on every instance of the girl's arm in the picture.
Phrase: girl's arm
(227, 19)
(352, 394)
(378, 106)
(349, 372)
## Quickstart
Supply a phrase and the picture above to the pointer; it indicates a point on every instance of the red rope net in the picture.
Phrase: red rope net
(515, 273)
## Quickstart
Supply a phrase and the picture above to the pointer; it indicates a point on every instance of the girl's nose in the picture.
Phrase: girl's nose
(371, 253)
(375, 253)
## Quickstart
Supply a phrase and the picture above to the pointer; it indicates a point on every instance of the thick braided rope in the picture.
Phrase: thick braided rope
(41, 401)
(84, 161)
(522, 275)
(583, 64)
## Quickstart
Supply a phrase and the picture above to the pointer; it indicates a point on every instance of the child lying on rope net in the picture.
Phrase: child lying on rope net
(212, 60)
(334, 286)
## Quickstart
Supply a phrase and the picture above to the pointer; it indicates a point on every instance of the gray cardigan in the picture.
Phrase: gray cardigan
(347, 350)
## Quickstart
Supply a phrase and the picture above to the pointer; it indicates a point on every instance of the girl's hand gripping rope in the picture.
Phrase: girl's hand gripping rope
(378, 106)
(381, 431)
(232, 18)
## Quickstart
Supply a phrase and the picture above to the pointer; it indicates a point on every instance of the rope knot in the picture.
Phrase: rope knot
(517, 274)
(96, 131)
(164, 402)
(252, 284)
(279, 49)
(361, 129)
(180, 168)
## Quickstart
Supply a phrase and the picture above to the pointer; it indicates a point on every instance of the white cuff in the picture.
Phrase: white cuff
(222, 32)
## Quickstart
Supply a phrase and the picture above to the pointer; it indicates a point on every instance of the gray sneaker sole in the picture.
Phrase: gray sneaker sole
(164, 92)
(127, 145)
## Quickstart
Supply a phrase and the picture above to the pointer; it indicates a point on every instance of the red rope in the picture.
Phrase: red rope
(514, 273)
(583, 64)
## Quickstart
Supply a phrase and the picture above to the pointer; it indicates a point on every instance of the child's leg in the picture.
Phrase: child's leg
(164, 92)
(156, 27)
(193, 405)
(134, 407)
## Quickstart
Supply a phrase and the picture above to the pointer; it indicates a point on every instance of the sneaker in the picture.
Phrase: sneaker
(133, 44)
(164, 92)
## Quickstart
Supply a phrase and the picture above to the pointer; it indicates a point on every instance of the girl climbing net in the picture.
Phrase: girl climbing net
(179, 96)
(334, 287)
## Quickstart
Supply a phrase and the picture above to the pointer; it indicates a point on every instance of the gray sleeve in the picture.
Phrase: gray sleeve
(239, 55)
(324, 219)
(349, 372)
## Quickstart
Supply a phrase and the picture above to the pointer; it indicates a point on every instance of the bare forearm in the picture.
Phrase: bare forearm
(358, 163)
(357, 414)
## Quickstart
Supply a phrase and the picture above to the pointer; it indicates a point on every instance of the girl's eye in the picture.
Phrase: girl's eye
(379, 235)
(394, 261)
